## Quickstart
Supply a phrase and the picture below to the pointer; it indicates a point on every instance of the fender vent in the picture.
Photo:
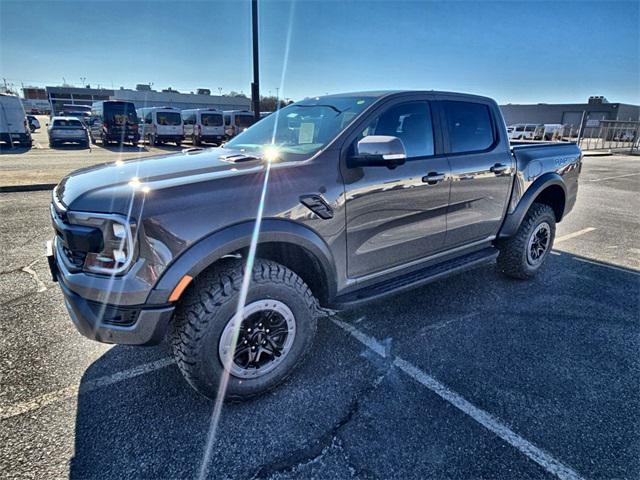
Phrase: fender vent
(317, 205)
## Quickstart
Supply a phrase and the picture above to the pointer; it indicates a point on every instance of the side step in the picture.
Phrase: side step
(415, 279)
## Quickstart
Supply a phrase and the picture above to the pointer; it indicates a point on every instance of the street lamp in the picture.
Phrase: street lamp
(255, 86)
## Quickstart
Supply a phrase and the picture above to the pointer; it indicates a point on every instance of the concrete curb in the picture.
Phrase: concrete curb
(38, 187)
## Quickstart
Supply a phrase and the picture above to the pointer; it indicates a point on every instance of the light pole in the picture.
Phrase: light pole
(255, 86)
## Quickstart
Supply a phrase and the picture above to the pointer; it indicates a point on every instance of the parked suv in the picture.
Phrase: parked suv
(203, 125)
(113, 121)
(368, 194)
(67, 129)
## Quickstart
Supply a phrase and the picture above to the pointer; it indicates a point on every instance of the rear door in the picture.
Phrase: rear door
(395, 216)
(212, 124)
(168, 123)
(482, 168)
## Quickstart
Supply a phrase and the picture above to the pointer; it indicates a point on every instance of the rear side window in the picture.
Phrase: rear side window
(169, 118)
(469, 125)
(67, 123)
(211, 119)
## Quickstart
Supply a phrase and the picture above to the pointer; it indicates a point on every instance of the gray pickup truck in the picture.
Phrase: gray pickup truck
(361, 195)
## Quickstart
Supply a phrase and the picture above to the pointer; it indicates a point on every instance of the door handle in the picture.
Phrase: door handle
(433, 177)
(499, 168)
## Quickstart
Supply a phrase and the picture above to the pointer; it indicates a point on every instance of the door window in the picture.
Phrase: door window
(469, 125)
(411, 123)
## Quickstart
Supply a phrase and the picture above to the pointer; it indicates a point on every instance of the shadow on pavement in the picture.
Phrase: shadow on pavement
(128, 148)
(6, 150)
(549, 369)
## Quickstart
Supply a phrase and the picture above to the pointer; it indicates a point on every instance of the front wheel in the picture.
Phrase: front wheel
(522, 255)
(259, 347)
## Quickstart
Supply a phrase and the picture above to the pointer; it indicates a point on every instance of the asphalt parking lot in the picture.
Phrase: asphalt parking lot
(476, 376)
(45, 165)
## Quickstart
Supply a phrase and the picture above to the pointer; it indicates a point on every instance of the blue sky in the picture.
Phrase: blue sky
(514, 51)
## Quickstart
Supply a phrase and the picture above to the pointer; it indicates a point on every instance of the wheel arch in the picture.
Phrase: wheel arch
(291, 244)
(549, 189)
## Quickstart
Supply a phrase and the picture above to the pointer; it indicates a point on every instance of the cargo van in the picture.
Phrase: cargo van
(161, 124)
(14, 128)
(203, 125)
(113, 121)
(237, 121)
(522, 131)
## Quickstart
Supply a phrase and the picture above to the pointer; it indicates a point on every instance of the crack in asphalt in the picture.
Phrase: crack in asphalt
(315, 450)
(41, 286)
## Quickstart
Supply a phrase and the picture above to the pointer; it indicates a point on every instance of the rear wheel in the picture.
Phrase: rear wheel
(522, 255)
(261, 346)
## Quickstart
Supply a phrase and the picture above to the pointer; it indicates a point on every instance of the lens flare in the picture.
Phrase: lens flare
(271, 153)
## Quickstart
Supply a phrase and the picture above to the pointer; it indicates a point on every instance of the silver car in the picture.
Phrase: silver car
(67, 129)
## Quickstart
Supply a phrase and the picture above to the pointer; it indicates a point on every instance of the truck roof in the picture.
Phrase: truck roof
(389, 93)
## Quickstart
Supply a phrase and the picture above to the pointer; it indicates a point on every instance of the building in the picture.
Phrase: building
(34, 99)
(143, 96)
(67, 95)
(182, 101)
(597, 108)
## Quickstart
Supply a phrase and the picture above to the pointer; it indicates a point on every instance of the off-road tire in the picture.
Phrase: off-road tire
(208, 305)
(512, 260)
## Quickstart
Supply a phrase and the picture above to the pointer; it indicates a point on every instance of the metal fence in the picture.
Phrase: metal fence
(611, 135)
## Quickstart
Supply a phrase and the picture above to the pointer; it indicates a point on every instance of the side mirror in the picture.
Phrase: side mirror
(379, 151)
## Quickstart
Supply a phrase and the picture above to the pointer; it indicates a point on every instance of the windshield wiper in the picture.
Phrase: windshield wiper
(324, 105)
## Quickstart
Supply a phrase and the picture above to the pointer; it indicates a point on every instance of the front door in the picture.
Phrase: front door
(397, 215)
(482, 169)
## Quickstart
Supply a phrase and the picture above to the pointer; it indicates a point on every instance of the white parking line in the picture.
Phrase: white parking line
(573, 235)
(542, 458)
(607, 265)
(9, 411)
(611, 178)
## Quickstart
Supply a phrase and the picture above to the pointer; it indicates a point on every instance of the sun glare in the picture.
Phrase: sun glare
(271, 153)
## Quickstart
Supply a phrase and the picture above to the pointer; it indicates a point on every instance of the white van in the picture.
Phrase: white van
(522, 131)
(203, 125)
(161, 124)
(14, 128)
(236, 121)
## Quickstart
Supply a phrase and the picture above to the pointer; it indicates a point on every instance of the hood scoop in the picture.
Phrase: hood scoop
(240, 158)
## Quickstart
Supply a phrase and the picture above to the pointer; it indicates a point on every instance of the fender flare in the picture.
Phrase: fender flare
(513, 220)
(209, 249)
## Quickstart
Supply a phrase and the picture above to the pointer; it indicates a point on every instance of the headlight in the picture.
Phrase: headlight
(117, 247)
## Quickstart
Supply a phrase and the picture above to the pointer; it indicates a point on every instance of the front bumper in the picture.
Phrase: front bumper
(108, 323)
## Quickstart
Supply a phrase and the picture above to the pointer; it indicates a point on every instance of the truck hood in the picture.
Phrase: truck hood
(110, 187)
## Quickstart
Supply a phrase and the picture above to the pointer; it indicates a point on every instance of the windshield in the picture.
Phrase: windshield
(211, 119)
(302, 129)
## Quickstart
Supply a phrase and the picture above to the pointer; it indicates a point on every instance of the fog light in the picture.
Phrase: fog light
(119, 230)
(119, 256)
